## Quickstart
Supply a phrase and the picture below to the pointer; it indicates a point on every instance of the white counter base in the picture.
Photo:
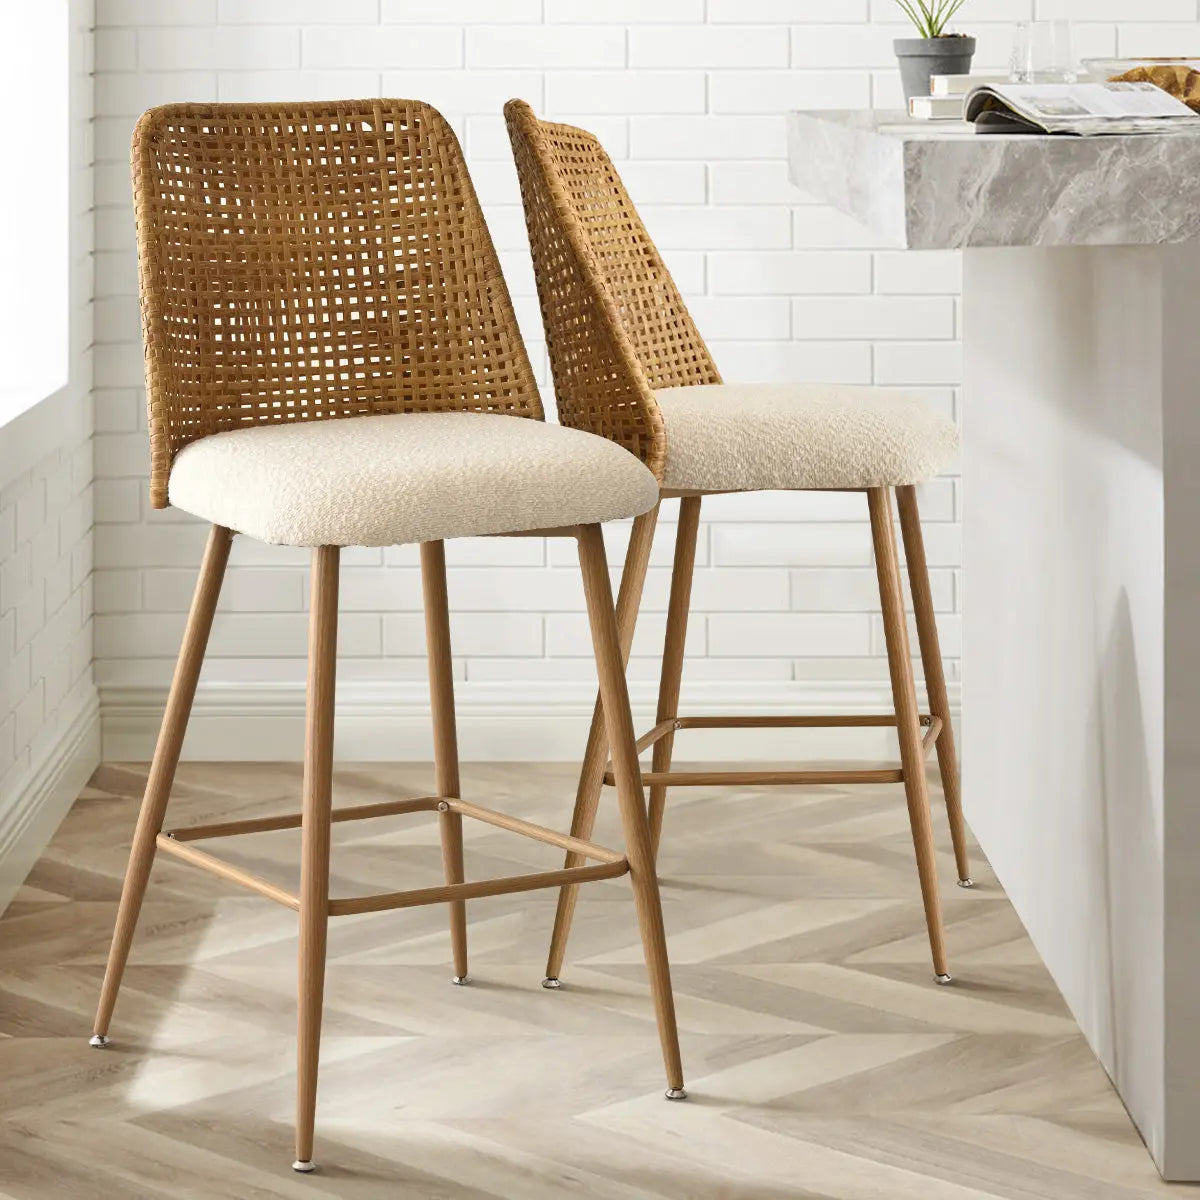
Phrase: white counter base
(1081, 643)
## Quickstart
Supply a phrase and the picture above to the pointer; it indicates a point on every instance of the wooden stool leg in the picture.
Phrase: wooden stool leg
(162, 770)
(678, 608)
(591, 775)
(908, 724)
(314, 853)
(626, 772)
(445, 737)
(935, 679)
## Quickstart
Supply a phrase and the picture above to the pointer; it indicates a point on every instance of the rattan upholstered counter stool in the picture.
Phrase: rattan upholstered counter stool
(630, 364)
(332, 359)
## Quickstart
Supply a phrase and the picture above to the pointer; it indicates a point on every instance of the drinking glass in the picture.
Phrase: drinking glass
(1042, 53)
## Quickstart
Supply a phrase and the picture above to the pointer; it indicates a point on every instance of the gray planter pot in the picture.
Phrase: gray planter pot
(920, 58)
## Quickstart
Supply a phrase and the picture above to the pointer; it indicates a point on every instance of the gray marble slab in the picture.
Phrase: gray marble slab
(942, 186)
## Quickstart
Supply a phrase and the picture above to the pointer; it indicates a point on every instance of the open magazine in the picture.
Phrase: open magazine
(1078, 108)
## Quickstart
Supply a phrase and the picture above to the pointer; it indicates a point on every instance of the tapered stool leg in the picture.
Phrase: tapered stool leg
(445, 737)
(630, 796)
(591, 775)
(678, 608)
(162, 770)
(908, 725)
(315, 837)
(935, 679)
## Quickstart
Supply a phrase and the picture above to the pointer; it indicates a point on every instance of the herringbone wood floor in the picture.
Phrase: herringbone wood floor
(821, 1059)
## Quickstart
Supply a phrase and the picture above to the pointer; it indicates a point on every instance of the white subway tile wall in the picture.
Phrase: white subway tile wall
(688, 96)
(46, 508)
(45, 604)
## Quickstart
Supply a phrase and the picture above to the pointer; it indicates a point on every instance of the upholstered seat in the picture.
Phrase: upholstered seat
(761, 436)
(406, 477)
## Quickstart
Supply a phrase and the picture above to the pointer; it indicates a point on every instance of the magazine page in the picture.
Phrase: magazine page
(1084, 108)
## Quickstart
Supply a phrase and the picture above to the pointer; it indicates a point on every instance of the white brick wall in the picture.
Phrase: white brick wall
(688, 96)
(46, 509)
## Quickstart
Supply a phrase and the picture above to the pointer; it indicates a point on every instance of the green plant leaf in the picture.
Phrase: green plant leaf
(930, 17)
(915, 13)
(951, 7)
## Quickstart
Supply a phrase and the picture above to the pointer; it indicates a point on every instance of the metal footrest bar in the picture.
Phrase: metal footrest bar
(650, 737)
(224, 870)
(931, 734)
(768, 778)
(807, 721)
(775, 778)
(611, 863)
(539, 833)
(360, 812)
(473, 891)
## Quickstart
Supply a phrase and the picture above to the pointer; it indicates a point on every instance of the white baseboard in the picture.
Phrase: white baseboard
(41, 800)
(389, 722)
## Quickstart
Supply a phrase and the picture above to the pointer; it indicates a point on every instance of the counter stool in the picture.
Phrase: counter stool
(332, 360)
(630, 364)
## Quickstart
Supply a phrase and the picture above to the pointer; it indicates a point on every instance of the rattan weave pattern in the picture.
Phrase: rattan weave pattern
(616, 326)
(299, 262)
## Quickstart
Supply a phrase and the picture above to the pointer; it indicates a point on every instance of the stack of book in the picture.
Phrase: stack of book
(946, 96)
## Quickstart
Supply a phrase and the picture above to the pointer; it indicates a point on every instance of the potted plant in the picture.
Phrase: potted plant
(935, 52)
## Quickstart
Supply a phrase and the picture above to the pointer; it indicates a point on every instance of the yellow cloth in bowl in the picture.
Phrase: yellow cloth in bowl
(1182, 82)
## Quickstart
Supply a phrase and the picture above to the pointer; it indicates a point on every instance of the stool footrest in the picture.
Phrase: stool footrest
(611, 864)
(773, 778)
(768, 778)
(473, 891)
(387, 808)
(224, 870)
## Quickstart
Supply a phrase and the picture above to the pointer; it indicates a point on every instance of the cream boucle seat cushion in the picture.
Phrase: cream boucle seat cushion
(764, 436)
(406, 477)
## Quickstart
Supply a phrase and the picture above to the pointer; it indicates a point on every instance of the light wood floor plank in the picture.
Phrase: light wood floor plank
(821, 1059)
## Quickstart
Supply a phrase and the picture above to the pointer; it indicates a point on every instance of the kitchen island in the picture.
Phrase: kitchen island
(1081, 552)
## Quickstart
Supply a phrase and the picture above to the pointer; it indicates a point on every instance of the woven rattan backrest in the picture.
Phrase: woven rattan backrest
(299, 262)
(616, 325)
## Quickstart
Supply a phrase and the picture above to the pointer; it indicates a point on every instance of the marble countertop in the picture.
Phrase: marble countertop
(927, 185)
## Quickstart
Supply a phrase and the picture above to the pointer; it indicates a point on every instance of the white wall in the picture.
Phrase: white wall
(688, 96)
(49, 733)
